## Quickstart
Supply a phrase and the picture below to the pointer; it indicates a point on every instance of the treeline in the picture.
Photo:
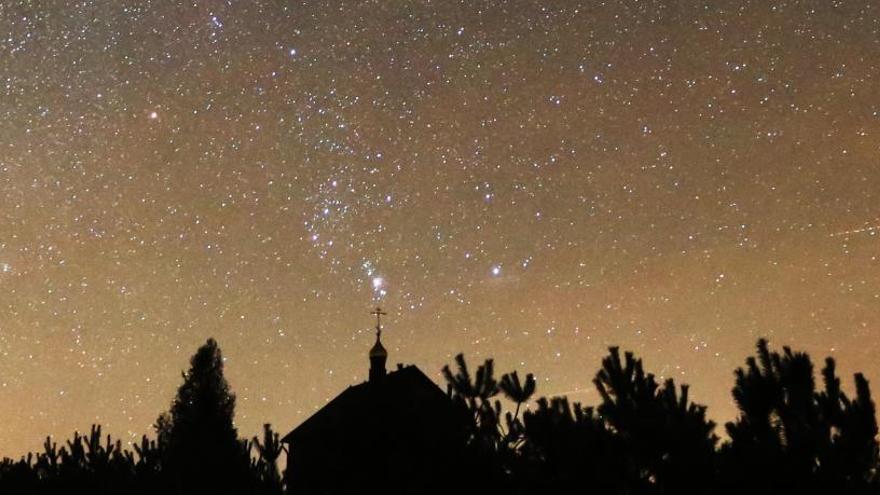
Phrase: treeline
(644, 437)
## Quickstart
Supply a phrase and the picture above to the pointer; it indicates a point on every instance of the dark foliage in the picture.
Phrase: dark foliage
(668, 441)
(646, 437)
(85, 464)
(793, 438)
(265, 466)
(569, 448)
(483, 456)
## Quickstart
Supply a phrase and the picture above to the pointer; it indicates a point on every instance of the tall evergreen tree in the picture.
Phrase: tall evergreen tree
(202, 450)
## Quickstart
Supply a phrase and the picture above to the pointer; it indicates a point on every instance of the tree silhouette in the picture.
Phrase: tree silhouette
(643, 438)
(477, 395)
(202, 450)
(266, 465)
(84, 464)
(196, 450)
(793, 439)
(492, 442)
(515, 391)
(569, 448)
(668, 440)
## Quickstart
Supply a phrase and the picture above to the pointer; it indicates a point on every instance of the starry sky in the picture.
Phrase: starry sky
(526, 180)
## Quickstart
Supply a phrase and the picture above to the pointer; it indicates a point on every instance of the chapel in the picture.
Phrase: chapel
(397, 432)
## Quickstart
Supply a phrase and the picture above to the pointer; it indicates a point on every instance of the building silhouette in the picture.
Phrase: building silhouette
(398, 432)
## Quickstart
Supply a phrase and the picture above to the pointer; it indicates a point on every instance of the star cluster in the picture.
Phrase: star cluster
(526, 180)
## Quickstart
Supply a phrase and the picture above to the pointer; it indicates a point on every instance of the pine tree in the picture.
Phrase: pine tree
(265, 467)
(793, 438)
(668, 439)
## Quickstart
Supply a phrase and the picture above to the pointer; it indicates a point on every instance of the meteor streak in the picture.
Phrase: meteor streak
(870, 230)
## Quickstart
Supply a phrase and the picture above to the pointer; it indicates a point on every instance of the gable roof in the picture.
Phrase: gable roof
(407, 387)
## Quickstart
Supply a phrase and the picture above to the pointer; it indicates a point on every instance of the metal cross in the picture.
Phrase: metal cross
(379, 314)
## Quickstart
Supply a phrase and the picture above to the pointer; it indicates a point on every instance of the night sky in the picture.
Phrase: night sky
(526, 180)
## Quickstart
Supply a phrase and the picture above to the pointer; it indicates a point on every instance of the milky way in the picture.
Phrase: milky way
(525, 180)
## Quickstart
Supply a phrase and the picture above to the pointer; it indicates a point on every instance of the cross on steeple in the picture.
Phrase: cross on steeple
(378, 354)
(379, 314)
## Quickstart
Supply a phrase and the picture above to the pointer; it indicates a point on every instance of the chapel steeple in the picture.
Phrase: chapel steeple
(378, 354)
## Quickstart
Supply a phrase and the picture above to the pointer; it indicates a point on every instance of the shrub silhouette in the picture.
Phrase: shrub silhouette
(84, 464)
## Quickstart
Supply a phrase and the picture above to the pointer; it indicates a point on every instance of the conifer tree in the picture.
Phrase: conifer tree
(202, 450)
(668, 441)
(793, 438)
